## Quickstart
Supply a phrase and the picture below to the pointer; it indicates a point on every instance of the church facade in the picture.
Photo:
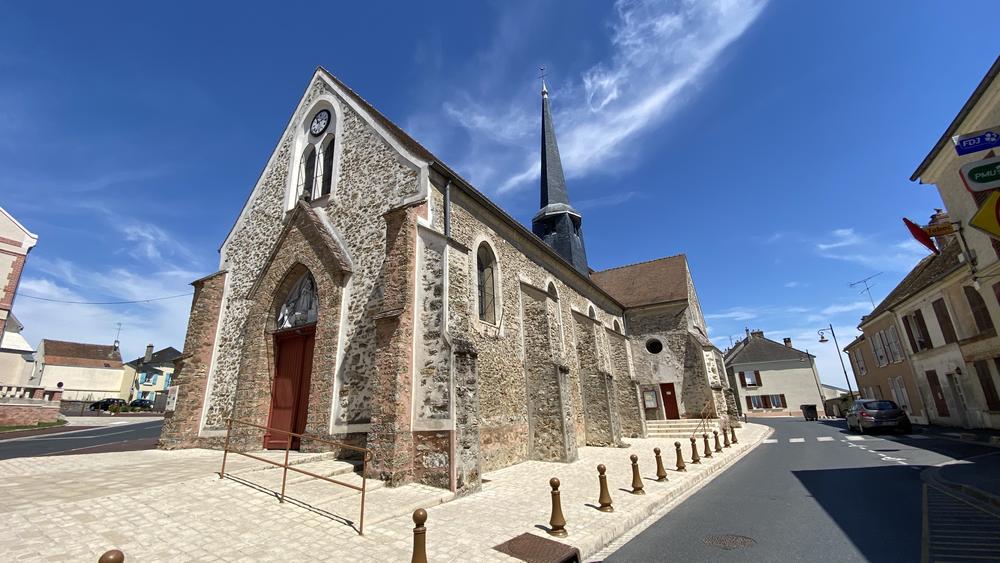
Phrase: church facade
(369, 294)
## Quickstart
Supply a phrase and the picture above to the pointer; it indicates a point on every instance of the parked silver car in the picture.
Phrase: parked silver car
(866, 415)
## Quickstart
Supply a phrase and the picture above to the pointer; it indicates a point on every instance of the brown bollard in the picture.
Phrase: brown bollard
(113, 556)
(636, 479)
(718, 446)
(708, 449)
(733, 431)
(725, 438)
(694, 451)
(661, 473)
(419, 536)
(680, 457)
(605, 499)
(557, 522)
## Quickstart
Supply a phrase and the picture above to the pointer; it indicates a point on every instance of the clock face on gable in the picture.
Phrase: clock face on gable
(320, 123)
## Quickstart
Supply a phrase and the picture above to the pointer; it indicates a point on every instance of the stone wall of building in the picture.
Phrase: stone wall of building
(626, 388)
(372, 180)
(502, 347)
(601, 423)
(180, 427)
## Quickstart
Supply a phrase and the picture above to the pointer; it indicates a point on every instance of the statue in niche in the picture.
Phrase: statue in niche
(299, 307)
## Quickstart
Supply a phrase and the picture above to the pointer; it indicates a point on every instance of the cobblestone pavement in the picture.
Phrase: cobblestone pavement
(171, 506)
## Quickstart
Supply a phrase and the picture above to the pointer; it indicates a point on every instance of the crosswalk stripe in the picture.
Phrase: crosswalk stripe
(770, 441)
(855, 438)
(824, 439)
(796, 440)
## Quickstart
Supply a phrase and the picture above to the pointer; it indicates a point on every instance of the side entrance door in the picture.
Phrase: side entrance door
(293, 350)
(937, 394)
(669, 401)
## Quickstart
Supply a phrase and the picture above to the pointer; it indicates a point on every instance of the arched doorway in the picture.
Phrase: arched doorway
(293, 354)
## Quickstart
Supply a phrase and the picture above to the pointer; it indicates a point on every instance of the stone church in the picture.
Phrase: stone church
(369, 294)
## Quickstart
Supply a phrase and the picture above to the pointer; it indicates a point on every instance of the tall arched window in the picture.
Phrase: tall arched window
(307, 173)
(327, 168)
(486, 266)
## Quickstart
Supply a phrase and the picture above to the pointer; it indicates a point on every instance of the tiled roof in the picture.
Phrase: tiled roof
(166, 355)
(754, 349)
(646, 283)
(62, 353)
(928, 271)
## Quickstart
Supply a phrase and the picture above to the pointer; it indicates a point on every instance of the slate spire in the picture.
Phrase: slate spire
(557, 222)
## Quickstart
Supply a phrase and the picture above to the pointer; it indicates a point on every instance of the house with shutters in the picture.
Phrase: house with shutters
(772, 378)
(150, 374)
(84, 372)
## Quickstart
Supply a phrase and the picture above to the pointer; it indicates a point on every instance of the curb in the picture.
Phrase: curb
(639, 521)
(987, 501)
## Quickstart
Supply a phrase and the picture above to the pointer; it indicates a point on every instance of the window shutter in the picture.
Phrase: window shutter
(756, 376)
(743, 381)
(909, 333)
(767, 401)
(749, 402)
(783, 403)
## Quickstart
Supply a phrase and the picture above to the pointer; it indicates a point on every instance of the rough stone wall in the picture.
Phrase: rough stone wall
(372, 180)
(549, 414)
(431, 455)
(180, 427)
(433, 388)
(27, 414)
(696, 392)
(468, 474)
(600, 424)
(626, 387)
(502, 348)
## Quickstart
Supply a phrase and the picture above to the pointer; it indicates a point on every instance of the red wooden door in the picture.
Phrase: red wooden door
(293, 351)
(669, 401)
(939, 403)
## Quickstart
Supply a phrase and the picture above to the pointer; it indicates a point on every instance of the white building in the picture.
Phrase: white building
(84, 372)
(17, 357)
(771, 378)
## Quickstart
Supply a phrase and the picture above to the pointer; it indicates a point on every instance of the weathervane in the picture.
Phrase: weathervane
(542, 74)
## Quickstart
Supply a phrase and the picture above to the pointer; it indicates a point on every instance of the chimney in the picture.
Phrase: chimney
(149, 354)
(788, 342)
(757, 333)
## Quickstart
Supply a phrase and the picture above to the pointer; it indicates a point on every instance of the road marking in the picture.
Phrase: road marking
(796, 440)
(770, 441)
(824, 439)
(855, 438)
(919, 437)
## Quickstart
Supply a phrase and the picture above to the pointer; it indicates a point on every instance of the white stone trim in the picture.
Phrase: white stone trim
(304, 139)
(338, 369)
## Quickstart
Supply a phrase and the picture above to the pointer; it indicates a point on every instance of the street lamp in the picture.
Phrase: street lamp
(823, 340)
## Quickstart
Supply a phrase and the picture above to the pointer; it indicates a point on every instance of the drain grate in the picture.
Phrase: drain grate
(728, 542)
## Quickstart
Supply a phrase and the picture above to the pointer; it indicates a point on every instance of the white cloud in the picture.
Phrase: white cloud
(660, 50)
(735, 314)
(605, 201)
(847, 308)
(792, 284)
(841, 238)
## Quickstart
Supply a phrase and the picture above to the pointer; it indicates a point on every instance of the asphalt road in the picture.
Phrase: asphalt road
(816, 493)
(118, 438)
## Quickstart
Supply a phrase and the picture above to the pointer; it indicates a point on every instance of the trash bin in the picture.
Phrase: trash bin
(809, 412)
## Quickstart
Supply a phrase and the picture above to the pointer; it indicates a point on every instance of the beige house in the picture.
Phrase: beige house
(84, 372)
(17, 357)
(880, 363)
(15, 244)
(952, 322)
(150, 374)
(772, 378)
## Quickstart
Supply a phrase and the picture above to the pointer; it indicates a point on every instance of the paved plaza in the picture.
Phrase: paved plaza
(171, 506)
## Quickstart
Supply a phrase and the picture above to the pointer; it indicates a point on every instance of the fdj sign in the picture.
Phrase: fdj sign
(978, 141)
(982, 175)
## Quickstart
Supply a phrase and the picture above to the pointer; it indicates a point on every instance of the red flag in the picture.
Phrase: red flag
(921, 236)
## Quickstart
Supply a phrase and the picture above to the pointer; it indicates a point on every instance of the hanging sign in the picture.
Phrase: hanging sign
(981, 175)
(940, 229)
(988, 217)
(921, 235)
(977, 141)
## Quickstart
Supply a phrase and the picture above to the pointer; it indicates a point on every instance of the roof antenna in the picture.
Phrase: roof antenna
(868, 288)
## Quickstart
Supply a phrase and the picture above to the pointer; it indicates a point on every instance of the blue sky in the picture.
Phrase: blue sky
(772, 142)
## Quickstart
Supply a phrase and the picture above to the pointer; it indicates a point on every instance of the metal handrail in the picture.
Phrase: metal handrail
(703, 425)
(285, 467)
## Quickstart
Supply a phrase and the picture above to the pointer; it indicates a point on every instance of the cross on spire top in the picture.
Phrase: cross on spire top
(542, 74)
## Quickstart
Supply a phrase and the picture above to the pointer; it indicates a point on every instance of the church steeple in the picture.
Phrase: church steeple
(557, 222)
